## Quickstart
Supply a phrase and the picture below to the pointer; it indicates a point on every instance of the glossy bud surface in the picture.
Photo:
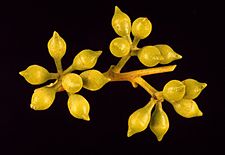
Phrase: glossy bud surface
(56, 46)
(173, 91)
(149, 56)
(119, 47)
(42, 98)
(141, 27)
(139, 120)
(121, 23)
(35, 74)
(193, 88)
(159, 123)
(72, 82)
(93, 80)
(187, 108)
(79, 107)
(168, 54)
(86, 59)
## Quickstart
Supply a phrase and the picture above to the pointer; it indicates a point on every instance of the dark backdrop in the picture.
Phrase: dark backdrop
(195, 29)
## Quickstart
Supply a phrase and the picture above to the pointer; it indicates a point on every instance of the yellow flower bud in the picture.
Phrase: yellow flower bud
(72, 82)
(86, 59)
(56, 46)
(168, 54)
(93, 80)
(141, 27)
(119, 47)
(159, 123)
(149, 56)
(187, 108)
(173, 91)
(42, 98)
(121, 23)
(139, 120)
(193, 88)
(35, 74)
(79, 107)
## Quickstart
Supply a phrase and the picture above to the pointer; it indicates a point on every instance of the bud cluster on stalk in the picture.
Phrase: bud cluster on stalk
(180, 94)
(72, 83)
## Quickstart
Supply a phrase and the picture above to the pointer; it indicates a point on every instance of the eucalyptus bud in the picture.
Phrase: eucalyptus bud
(149, 56)
(173, 91)
(42, 98)
(139, 120)
(193, 88)
(56, 46)
(168, 54)
(187, 108)
(121, 23)
(159, 123)
(93, 80)
(141, 27)
(119, 47)
(78, 107)
(72, 82)
(35, 74)
(86, 59)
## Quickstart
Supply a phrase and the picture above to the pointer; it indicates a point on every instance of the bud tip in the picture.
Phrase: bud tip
(159, 138)
(200, 113)
(98, 53)
(86, 117)
(55, 34)
(178, 56)
(130, 133)
(204, 85)
(117, 10)
(22, 73)
(32, 106)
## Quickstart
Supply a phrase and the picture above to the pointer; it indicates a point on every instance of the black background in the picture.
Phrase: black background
(195, 29)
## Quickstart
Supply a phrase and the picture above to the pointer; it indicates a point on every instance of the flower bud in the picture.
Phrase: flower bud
(193, 88)
(35, 74)
(149, 56)
(168, 54)
(42, 98)
(139, 120)
(173, 91)
(72, 82)
(86, 59)
(121, 23)
(187, 108)
(79, 107)
(141, 27)
(159, 123)
(119, 47)
(56, 46)
(93, 80)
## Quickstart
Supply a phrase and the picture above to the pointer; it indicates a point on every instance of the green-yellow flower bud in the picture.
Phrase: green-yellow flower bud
(78, 107)
(187, 108)
(193, 88)
(173, 91)
(42, 98)
(86, 59)
(56, 46)
(93, 80)
(121, 23)
(149, 56)
(168, 54)
(119, 47)
(141, 27)
(139, 120)
(159, 123)
(35, 74)
(72, 82)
